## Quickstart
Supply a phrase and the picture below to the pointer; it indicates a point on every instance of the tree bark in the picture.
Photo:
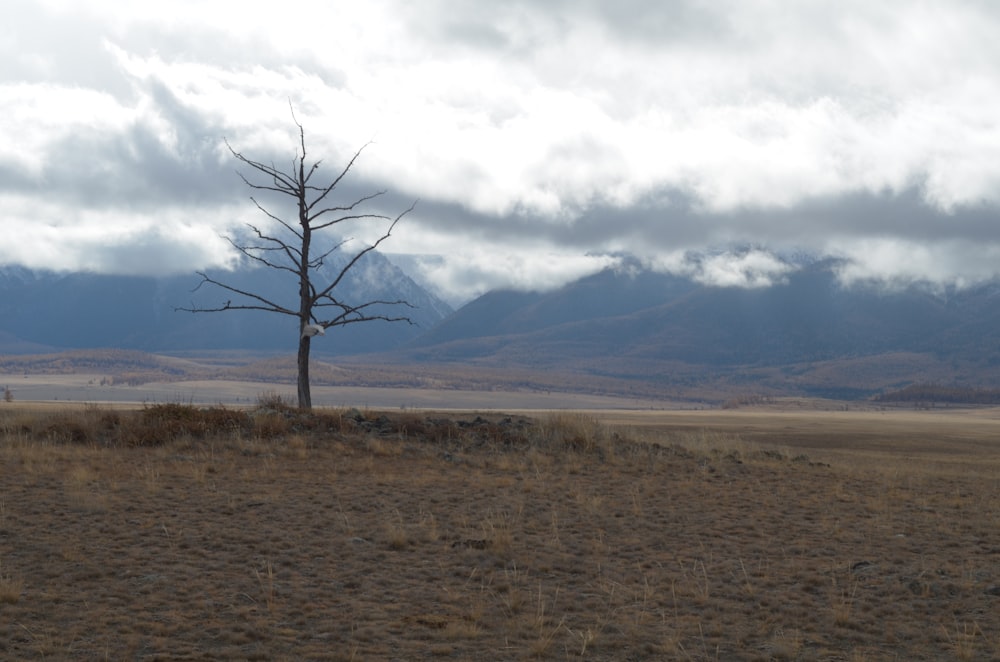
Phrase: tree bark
(305, 395)
(306, 301)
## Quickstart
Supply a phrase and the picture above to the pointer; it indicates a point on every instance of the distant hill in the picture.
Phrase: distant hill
(807, 335)
(624, 330)
(44, 311)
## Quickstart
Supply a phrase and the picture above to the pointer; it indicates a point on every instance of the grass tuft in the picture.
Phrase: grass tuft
(11, 588)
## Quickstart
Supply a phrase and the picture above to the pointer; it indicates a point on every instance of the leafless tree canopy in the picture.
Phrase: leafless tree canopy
(289, 248)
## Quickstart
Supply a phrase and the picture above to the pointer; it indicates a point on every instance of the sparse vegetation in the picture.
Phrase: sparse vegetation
(747, 400)
(931, 394)
(274, 533)
(10, 588)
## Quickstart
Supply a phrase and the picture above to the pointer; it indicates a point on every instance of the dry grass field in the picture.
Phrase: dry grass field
(87, 387)
(174, 532)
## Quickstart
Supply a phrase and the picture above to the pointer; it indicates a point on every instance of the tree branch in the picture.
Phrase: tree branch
(354, 217)
(364, 252)
(267, 305)
(282, 182)
(283, 223)
(294, 254)
(333, 185)
(329, 210)
(317, 262)
(347, 311)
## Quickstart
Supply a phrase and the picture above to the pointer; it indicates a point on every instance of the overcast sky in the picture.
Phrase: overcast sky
(542, 138)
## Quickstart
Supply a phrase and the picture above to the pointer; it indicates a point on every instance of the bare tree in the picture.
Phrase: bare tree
(289, 249)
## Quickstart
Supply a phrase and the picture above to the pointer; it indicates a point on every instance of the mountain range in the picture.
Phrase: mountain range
(808, 334)
(48, 311)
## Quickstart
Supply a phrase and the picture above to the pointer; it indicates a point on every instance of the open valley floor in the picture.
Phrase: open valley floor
(797, 531)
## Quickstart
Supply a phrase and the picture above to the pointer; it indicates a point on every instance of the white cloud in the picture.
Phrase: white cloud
(533, 132)
(749, 268)
(38, 115)
(898, 263)
(461, 276)
(92, 240)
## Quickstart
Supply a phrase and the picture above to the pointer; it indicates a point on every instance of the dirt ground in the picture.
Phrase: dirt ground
(746, 535)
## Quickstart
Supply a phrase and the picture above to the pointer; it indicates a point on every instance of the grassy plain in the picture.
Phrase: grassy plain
(780, 533)
(88, 387)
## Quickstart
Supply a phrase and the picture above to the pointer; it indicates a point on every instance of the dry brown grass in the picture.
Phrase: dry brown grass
(354, 535)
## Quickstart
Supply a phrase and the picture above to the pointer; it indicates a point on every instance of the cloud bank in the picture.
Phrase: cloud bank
(542, 138)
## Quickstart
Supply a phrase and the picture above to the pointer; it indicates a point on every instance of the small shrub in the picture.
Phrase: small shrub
(747, 400)
(396, 534)
(274, 400)
(67, 431)
(440, 430)
(161, 423)
(270, 424)
(222, 420)
(322, 421)
(411, 425)
(383, 448)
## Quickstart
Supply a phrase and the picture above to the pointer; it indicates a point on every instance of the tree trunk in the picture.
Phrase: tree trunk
(305, 396)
